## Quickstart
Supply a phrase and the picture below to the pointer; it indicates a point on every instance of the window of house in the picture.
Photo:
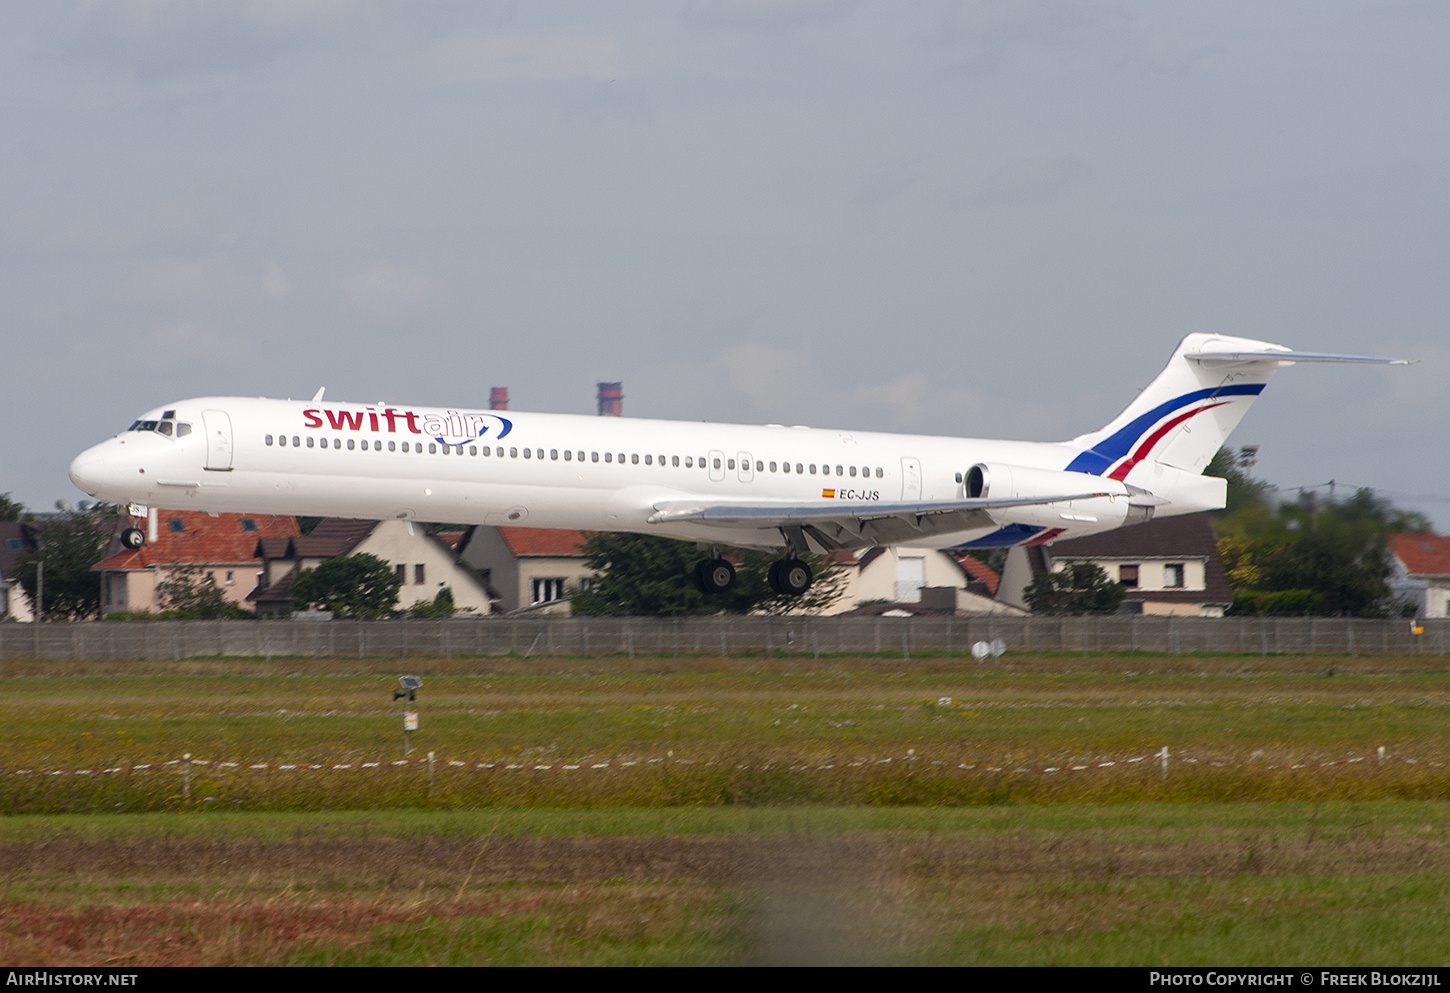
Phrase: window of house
(546, 590)
(402, 572)
(231, 577)
(1173, 575)
(419, 577)
(249, 524)
(176, 525)
(1128, 576)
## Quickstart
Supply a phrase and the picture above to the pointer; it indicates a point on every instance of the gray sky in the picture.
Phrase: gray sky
(982, 217)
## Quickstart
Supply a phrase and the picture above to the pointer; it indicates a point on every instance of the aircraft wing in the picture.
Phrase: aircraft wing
(833, 524)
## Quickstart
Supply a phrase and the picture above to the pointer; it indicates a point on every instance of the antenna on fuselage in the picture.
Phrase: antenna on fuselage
(317, 397)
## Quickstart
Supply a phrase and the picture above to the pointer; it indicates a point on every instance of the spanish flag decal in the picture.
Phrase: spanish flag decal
(828, 494)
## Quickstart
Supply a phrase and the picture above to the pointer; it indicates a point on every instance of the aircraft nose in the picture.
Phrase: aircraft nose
(88, 471)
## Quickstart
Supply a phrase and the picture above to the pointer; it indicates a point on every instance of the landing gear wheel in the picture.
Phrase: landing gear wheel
(133, 538)
(714, 576)
(790, 577)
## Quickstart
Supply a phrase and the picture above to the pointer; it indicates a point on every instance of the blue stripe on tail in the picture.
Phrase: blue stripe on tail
(1098, 459)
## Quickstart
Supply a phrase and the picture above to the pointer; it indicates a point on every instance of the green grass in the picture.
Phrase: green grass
(750, 852)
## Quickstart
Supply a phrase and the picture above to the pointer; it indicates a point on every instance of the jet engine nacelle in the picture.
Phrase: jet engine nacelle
(997, 481)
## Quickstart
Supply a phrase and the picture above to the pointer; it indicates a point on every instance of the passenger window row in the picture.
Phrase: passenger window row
(568, 455)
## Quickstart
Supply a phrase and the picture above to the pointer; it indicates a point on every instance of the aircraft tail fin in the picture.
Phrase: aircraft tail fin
(1184, 416)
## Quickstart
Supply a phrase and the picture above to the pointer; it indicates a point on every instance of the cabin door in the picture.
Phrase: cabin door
(218, 440)
(910, 479)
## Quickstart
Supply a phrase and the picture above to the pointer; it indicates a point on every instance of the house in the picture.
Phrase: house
(14, 602)
(916, 580)
(426, 563)
(1166, 566)
(531, 568)
(222, 546)
(1422, 571)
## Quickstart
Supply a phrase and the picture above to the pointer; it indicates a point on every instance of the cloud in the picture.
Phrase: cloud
(772, 379)
(189, 342)
(1033, 180)
(275, 284)
(166, 38)
(764, 13)
(534, 57)
(386, 292)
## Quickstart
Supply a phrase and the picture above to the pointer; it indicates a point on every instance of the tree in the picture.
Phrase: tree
(648, 575)
(1320, 557)
(11, 510)
(441, 605)
(69, 544)
(188, 592)
(359, 585)
(1077, 588)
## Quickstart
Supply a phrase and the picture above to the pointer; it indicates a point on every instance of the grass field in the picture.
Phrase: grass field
(768, 827)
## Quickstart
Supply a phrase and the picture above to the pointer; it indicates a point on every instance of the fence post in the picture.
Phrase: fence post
(430, 775)
(1163, 761)
(186, 776)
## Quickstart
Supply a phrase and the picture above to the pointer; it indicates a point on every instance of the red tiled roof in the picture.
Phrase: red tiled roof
(979, 570)
(202, 540)
(450, 538)
(543, 541)
(1422, 553)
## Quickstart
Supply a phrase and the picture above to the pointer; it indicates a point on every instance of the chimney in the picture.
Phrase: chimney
(498, 398)
(611, 399)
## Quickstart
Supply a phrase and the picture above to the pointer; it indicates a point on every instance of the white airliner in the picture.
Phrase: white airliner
(718, 484)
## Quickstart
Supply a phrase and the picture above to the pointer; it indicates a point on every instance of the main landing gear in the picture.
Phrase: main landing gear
(714, 576)
(133, 537)
(788, 576)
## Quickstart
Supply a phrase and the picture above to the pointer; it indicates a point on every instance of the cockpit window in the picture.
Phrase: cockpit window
(165, 426)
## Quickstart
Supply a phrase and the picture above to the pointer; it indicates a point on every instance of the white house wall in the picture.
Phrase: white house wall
(406, 544)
